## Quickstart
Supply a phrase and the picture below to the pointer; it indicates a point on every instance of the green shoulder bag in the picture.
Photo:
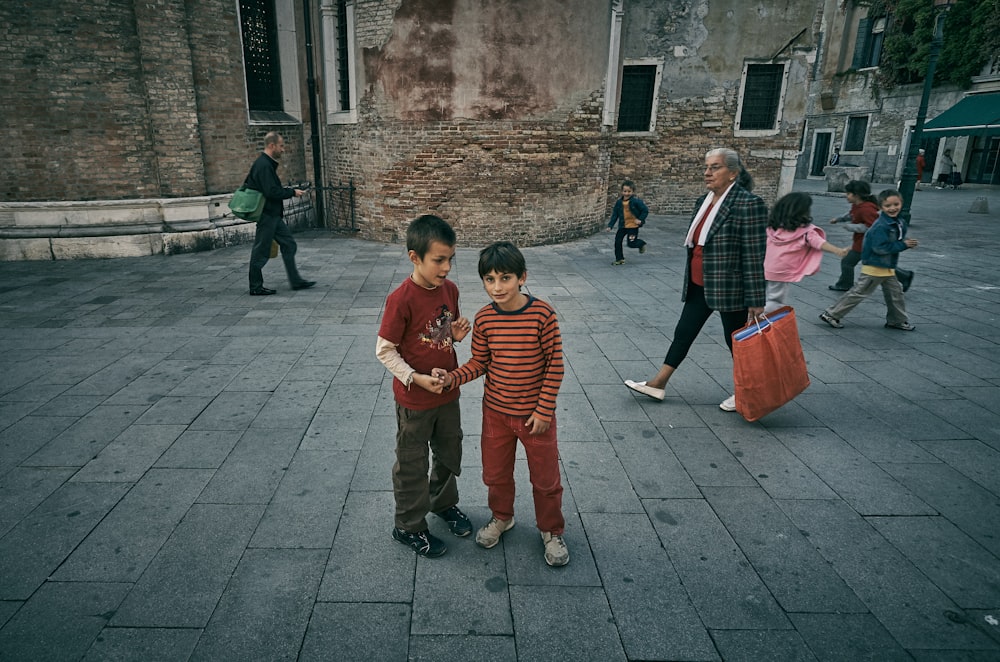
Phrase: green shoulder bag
(247, 204)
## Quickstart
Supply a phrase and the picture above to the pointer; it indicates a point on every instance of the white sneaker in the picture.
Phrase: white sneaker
(651, 391)
(729, 404)
(489, 535)
(556, 553)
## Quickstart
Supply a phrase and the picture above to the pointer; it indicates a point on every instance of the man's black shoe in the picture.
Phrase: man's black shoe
(422, 543)
(261, 292)
(838, 289)
(304, 285)
(457, 521)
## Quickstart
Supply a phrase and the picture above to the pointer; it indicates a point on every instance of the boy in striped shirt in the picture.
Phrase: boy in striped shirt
(516, 344)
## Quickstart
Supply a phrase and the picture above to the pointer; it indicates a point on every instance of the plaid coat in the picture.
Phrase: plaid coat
(733, 254)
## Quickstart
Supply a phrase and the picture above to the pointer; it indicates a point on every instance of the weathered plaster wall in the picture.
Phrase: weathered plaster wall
(703, 47)
(485, 113)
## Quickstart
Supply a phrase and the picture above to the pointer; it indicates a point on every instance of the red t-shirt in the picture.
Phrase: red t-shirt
(418, 321)
(697, 265)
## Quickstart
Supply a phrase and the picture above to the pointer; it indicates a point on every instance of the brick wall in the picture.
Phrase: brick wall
(122, 99)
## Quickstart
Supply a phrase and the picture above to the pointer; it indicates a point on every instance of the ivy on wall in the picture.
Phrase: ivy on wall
(971, 40)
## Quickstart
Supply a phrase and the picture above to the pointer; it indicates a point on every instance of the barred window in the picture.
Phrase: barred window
(761, 98)
(260, 55)
(343, 72)
(339, 61)
(636, 105)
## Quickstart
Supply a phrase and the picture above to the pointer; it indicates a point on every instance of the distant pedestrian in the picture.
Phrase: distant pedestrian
(629, 214)
(945, 176)
(794, 247)
(921, 164)
(864, 211)
(517, 345)
(263, 177)
(420, 325)
(883, 243)
(835, 157)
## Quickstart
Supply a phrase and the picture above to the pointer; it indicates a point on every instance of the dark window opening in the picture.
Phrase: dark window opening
(868, 45)
(260, 55)
(343, 71)
(635, 112)
(761, 96)
(854, 137)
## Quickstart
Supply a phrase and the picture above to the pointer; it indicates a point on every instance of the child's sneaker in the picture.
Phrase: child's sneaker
(457, 521)
(423, 543)
(831, 320)
(556, 553)
(489, 535)
(642, 249)
(618, 262)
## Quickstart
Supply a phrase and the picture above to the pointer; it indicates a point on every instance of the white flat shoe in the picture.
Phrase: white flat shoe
(651, 391)
(729, 404)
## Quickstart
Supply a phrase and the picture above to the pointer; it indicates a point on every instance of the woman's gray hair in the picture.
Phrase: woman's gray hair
(733, 163)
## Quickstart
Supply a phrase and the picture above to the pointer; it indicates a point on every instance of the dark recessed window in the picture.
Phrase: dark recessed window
(636, 107)
(343, 70)
(854, 137)
(761, 97)
(260, 54)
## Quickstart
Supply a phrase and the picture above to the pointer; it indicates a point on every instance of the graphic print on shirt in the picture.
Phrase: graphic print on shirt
(437, 332)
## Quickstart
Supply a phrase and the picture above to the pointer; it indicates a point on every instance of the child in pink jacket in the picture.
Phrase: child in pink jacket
(794, 247)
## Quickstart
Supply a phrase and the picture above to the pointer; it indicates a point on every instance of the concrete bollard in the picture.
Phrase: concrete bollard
(980, 206)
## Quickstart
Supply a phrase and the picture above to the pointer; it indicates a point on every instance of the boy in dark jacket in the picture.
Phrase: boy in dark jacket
(630, 214)
(883, 243)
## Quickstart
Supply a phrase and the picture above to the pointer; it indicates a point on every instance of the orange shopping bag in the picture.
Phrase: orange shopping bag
(769, 368)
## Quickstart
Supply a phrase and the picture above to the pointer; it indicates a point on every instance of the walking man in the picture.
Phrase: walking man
(263, 177)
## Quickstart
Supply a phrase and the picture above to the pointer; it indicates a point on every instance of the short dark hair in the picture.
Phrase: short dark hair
(888, 193)
(629, 183)
(426, 229)
(791, 211)
(502, 257)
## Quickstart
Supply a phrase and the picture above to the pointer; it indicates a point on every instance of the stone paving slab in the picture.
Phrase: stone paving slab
(187, 472)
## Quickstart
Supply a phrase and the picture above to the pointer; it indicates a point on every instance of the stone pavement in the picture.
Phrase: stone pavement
(187, 472)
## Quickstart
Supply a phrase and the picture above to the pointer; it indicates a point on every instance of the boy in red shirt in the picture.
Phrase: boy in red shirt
(419, 327)
(517, 345)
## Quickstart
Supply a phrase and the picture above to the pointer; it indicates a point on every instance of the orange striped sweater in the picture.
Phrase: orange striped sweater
(520, 352)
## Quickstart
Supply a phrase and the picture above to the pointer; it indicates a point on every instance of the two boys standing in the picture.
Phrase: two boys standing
(516, 344)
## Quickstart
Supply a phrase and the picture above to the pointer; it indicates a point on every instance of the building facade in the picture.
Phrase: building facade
(510, 120)
(872, 128)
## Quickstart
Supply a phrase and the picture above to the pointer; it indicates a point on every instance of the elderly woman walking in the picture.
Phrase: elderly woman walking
(726, 242)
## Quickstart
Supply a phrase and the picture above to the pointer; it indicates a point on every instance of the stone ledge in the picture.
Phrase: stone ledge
(121, 228)
(838, 176)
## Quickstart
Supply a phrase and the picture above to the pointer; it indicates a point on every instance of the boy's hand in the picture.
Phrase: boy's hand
(535, 425)
(442, 375)
(843, 252)
(911, 243)
(428, 382)
(460, 328)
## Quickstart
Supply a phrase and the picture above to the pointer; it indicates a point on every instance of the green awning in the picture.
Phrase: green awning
(975, 115)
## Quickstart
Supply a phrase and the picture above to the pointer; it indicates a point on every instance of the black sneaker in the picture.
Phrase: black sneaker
(422, 543)
(457, 521)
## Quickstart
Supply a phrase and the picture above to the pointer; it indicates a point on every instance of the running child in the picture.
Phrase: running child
(883, 243)
(794, 247)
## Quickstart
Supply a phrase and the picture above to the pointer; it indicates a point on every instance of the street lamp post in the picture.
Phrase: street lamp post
(908, 183)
